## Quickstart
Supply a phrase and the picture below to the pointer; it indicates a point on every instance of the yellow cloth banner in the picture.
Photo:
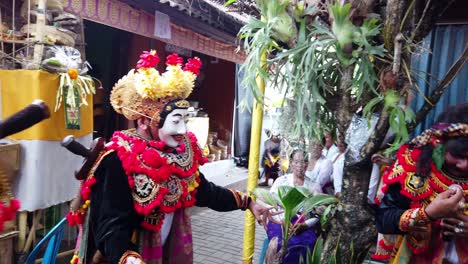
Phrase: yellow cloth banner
(20, 87)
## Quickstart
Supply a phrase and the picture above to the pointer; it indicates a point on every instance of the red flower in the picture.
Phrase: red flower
(151, 158)
(85, 193)
(163, 174)
(14, 205)
(193, 66)
(174, 59)
(181, 148)
(71, 219)
(158, 144)
(149, 59)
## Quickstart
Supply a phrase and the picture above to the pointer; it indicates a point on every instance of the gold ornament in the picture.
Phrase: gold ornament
(182, 104)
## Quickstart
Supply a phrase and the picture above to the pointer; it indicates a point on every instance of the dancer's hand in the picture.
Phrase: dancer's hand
(263, 213)
(456, 225)
(444, 204)
(382, 160)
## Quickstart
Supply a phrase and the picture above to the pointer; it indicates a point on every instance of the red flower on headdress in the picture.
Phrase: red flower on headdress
(14, 205)
(149, 59)
(193, 66)
(174, 59)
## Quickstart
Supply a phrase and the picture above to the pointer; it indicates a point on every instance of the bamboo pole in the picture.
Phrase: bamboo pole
(22, 227)
(252, 180)
(32, 232)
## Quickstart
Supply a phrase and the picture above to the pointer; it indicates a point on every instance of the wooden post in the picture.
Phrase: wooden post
(41, 22)
(1, 42)
(22, 228)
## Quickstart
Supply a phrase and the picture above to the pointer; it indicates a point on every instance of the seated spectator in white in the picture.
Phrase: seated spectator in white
(329, 150)
(297, 177)
(380, 164)
(304, 237)
(338, 165)
(320, 169)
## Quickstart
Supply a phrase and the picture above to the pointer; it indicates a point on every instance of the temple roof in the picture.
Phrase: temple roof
(208, 17)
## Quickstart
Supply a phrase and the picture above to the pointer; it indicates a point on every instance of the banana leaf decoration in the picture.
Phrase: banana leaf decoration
(71, 80)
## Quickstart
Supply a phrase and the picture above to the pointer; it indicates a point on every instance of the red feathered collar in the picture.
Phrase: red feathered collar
(162, 179)
(418, 189)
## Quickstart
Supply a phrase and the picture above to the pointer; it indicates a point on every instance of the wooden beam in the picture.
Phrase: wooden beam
(184, 20)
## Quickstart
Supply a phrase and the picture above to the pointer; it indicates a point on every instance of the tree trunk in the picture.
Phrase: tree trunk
(353, 223)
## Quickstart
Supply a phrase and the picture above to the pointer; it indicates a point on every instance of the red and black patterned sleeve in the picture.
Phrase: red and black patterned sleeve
(219, 198)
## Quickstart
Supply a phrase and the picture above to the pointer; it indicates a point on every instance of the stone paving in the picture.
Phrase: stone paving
(218, 237)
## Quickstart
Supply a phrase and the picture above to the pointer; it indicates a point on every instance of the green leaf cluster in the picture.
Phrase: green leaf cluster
(293, 200)
(308, 70)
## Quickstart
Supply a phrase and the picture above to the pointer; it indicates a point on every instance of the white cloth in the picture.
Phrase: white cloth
(322, 172)
(288, 180)
(47, 173)
(374, 183)
(166, 227)
(331, 152)
(450, 254)
(338, 166)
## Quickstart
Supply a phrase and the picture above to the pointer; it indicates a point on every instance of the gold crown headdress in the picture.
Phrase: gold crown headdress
(144, 92)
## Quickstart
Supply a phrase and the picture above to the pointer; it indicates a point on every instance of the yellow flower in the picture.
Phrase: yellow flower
(193, 184)
(73, 73)
(146, 82)
(174, 82)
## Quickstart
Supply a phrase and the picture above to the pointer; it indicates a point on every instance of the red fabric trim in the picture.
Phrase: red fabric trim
(377, 201)
(416, 250)
(151, 227)
(384, 246)
(386, 176)
(413, 156)
(381, 257)
(406, 160)
(418, 197)
(445, 180)
(147, 209)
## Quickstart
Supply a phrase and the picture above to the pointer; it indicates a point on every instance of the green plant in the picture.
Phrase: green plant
(399, 114)
(309, 71)
(307, 66)
(293, 200)
(314, 257)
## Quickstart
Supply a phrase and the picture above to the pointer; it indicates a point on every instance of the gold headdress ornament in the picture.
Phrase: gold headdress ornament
(144, 92)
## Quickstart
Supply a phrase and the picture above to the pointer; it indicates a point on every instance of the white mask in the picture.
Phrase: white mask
(174, 128)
